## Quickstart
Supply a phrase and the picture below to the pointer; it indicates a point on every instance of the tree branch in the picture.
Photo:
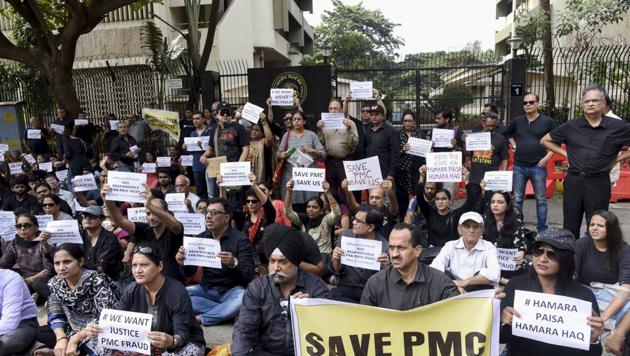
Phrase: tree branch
(100, 8)
(31, 12)
(10, 51)
(212, 27)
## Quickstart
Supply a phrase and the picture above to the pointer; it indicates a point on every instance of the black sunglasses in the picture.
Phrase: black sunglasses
(23, 226)
(225, 112)
(530, 102)
(253, 201)
(552, 255)
(48, 205)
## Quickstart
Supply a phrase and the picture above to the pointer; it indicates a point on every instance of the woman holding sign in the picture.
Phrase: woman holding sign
(407, 174)
(552, 273)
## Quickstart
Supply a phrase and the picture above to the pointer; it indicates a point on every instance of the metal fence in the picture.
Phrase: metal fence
(233, 83)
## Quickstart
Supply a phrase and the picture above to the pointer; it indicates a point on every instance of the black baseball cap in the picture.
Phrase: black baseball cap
(560, 239)
(377, 108)
(224, 105)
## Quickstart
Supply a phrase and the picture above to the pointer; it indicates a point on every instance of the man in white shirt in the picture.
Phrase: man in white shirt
(182, 185)
(470, 260)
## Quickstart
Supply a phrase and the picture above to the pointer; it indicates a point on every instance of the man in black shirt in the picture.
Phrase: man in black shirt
(592, 143)
(494, 159)
(68, 124)
(20, 197)
(219, 295)
(382, 140)
(444, 120)
(530, 158)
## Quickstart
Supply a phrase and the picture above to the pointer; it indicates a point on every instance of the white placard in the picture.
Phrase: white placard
(126, 186)
(251, 112)
(174, 83)
(419, 147)
(15, 168)
(4, 147)
(7, 225)
(62, 175)
(498, 181)
(362, 90)
(84, 183)
(194, 224)
(480, 141)
(552, 319)
(43, 220)
(235, 173)
(137, 214)
(30, 159)
(193, 144)
(202, 252)
(175, 201)
(59, 129)
(299, 158)
(125, 331)
(64, 231)
(333, 120)
(187, 160)
(362, 253)
(113, 125)
(363, 173)
(46, 166)
(507, 258)
(281, 97)
(444, 167)
(308, 179)
(35, 134)
(442, 137)
(149, 168)
(134, 149)
(163, 161)
(80, 122)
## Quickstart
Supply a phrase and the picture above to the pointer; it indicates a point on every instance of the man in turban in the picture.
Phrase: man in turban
(263, 326)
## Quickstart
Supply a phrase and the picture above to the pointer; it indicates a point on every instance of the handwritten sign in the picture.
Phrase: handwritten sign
(43, 220)
(235, 173)
(186, 160)
(137, 214)
(442, 137)
(363, 174)
(362, 253)
(125, 331)
(64, 232)
(84, 183)
(308, 179)
(175, 201)
(149, 167)
(552, 319)
(444, 167)
(46, 166)
(362, 90)
(507, 258)
(479, 141)
(498, 181)
(251, 112)
(419, 147)
(34, 134)
(281, 97)
(333, 121)
(59, 129)
(194, 224)
(15, 168)
(126, 186)
(202, 252)
(214, 165)
(7, 225)
(62, 175)
(163, 161)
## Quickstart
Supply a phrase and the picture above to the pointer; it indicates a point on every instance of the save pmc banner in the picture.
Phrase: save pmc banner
(167, 121)
(464, 325)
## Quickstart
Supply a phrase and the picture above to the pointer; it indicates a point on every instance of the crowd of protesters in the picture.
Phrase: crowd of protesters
(279, 242)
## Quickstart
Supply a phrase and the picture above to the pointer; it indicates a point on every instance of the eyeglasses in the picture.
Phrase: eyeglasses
(365, 111)
(530, 102)
(551, 254)
(224, 112)
(357, 221)
(214, 213)
(23, 226)
(251, 201)
(48, 205)
(89, 217)
(287, 118)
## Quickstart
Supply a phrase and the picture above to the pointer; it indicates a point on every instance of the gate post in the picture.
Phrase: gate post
(514, 87)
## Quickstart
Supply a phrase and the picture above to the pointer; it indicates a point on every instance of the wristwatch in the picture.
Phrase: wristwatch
(235, 263)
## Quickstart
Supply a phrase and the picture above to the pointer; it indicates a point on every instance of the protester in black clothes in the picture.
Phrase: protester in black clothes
(37, 146)
(103, 253)
(120, 149)
(61, 120)
(444, 121)
(20, 197)
(494, 159)
(442, 221)
(552, 273)
(382, 140)
(41, 191)
(592, 143)
(77, 153)
(408, 174)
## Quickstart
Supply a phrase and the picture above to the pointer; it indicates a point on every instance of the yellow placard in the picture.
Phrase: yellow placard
(213, 166)
(464, 325)
(163, 120)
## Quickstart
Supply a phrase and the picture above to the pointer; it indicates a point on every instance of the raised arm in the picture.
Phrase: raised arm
(266, 129)
(114, 213)
(352, 202)
(165, 217)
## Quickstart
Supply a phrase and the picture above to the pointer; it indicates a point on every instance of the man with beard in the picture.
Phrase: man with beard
(164, 182)
(20, 198)
(383, 198)
(414, 215)
(263, 326)
(42, 190)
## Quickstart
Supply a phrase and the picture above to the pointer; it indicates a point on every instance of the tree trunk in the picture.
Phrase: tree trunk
(547, 48)
(60, 78)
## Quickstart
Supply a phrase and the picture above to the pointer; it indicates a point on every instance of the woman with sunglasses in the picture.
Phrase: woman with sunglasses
(28, 256)
(51, 206)
(552, 273)
(407, 175)
(505, 230)
(603, 258)
(307, 142)
(78, 295)
(174, 330)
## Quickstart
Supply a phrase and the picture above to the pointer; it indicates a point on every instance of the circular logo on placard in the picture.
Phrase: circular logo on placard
(292, 80)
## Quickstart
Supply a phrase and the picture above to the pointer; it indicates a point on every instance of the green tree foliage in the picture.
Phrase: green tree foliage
(455, 97)
(592, 15)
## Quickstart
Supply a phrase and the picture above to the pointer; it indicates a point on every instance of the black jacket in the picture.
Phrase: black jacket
(105, 255)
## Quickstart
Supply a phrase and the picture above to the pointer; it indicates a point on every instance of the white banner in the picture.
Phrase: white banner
(363, 173)
(479, 141)
(202, 252)
(149, 168)
(419, 147)
(444, 167)
(552, 319)
(137, 214)
(126, 186)
(507, 258)
(361, 90)
(498, 181)
(163, 161)
(333, 120)
(125, 331)
(235, 173)
(176, 201)
(281, 97)
(34, 134)
(187, 160)
(59, 129)
(84, 183)
(46, 167)
(194, 224)
(308, 179)
(64, 231)
(251, 112)
(362, 253)
(442, 137)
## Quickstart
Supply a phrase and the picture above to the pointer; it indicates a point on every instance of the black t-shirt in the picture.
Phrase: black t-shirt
(485, 161)
(591, 265)
(230, 141)
(459, 143)
(169, 243)
(527, 136)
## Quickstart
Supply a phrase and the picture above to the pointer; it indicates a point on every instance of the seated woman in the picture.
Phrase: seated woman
(552, 273)
(77, 297)
(505, 230)
(18, 320)
(28, 257)
(174, 331)
(602, 256)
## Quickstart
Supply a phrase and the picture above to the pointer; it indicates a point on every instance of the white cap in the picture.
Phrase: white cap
(471, 215)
